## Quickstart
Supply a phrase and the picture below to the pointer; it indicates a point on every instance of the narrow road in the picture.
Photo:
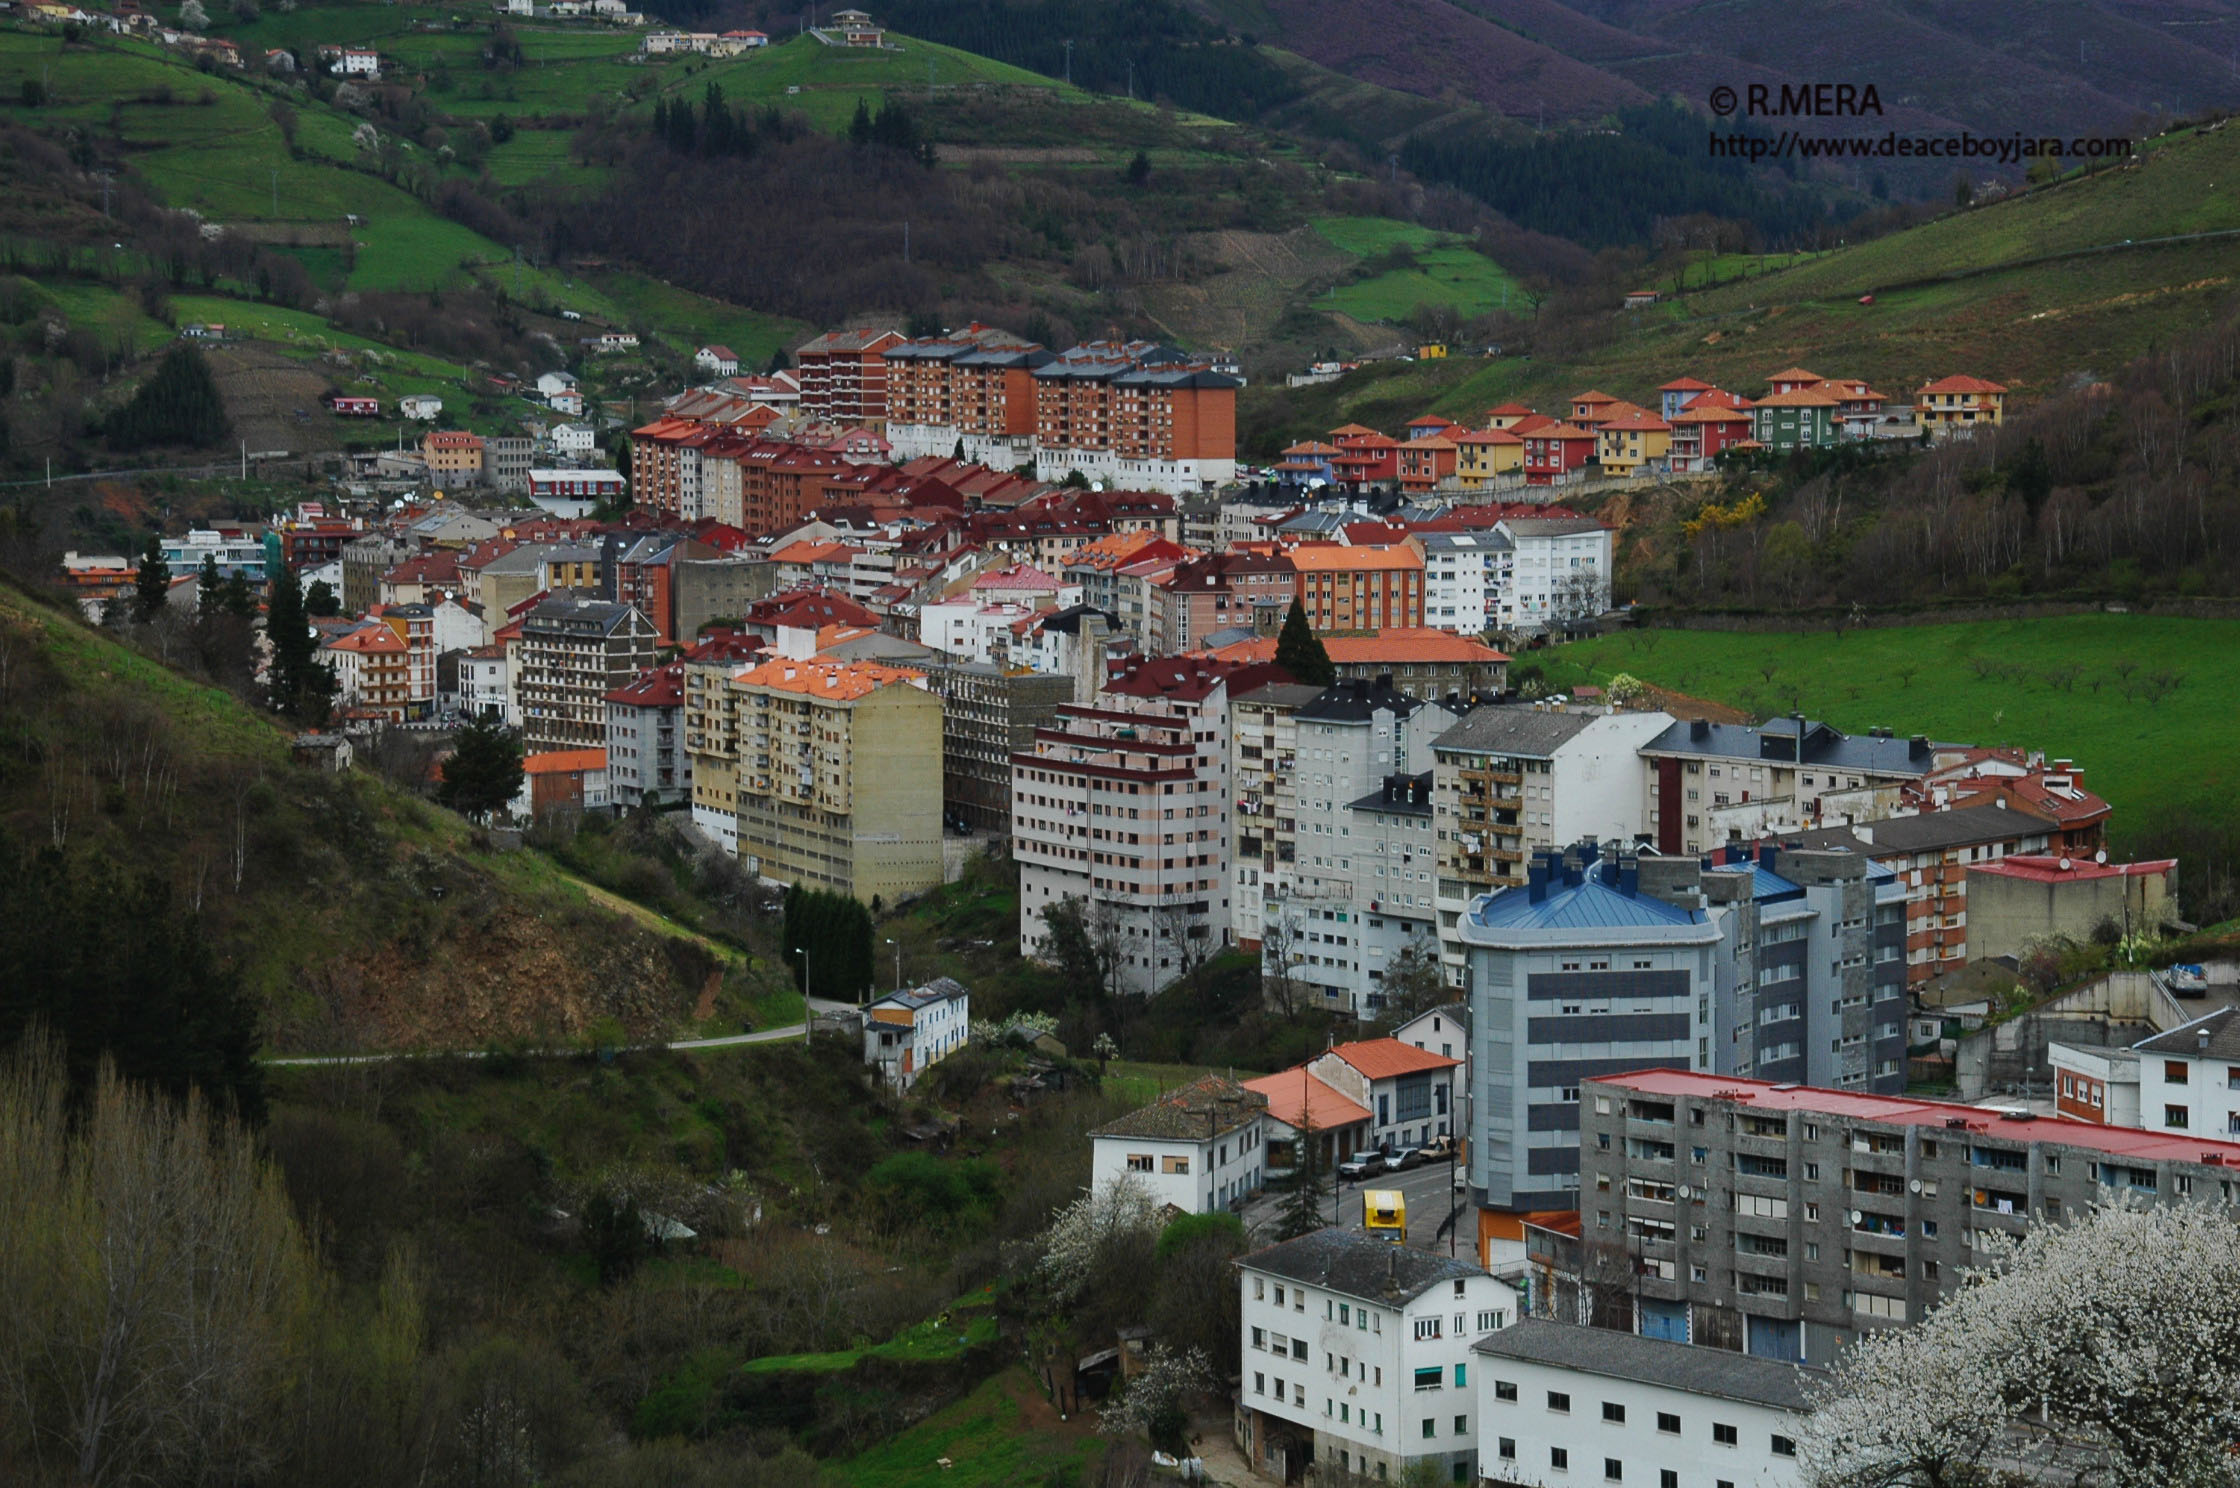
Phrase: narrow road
(817, 1005)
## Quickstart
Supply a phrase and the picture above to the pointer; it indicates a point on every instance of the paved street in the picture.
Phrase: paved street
(1428, 1194)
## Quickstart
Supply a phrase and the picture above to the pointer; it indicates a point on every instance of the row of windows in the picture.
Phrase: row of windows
(1668, 1423)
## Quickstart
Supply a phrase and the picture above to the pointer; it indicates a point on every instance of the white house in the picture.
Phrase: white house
(551, 383)
(1442, 1030)
(905, 1033)
(1559, 570)
(575, 441)
(721, 360)
(422, 406)
(351, 61)
(1409, 1091)
(1564, 1403)
(610, 341)
(1199, 1148)
(483, 692)
(1357, 1356)
(2189, 1078)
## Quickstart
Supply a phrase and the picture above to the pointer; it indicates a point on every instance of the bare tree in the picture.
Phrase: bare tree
(1279, 937)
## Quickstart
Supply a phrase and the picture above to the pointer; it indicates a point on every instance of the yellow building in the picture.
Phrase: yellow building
(1483, 454)
(1958, 405)
(838, 780)
(1632, 440)
(453, 455)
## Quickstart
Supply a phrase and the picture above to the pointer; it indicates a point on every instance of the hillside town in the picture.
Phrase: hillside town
(1636, 994)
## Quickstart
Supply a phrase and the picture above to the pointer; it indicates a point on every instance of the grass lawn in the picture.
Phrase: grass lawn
(1143, 1083)
(930, 1342)
(697, 319)
(831, 79)
(1363, 236)
(1450, 274)
(1002, 1435)
(2150, 760)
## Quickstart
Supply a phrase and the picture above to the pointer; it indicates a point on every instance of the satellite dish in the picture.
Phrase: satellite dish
(2100, 856)
(2066, 865)
(1856, 1216)
(1684, 1190)
(1915, 1185)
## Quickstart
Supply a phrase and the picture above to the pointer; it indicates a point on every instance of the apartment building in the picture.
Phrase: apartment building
(1462, 574)
(1935, 856)
(1561, 1402)
(1714, 783)
(453, 456)
(415, 625)
(1354, 878)
(647, 763)
(1200, 1148)
(1216, 592)
(1785, 1220)
(1345, 588)
(505, 462)
(372, 671)
(838, 779)
(1357, 1360)
(1263, 759)
(1124, 804)
(989, 713)
(973, 386)
(1135, 415)
(1512, 779)
(571, 654)
(1558, 569)
(843, 375)
(1582, 971)
(911, 1029)
(2189, 1078)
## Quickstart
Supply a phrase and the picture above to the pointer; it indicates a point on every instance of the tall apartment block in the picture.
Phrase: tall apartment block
(844, 375)
(973, 386)
(571, 654)
(1124, 804)
(1136, 415)
(1784, 1220)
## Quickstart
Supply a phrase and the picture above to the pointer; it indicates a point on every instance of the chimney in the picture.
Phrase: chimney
(1699, 728)
(2201, 1039)
(1629, 876)
(1918, 747)
(1536, 880)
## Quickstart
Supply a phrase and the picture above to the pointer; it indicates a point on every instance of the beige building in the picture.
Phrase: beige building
(2025, 900)
(1263, 746)
(571, 654)
(838, 776)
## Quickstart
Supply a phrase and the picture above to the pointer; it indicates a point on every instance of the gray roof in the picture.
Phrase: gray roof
(1514, 728)
(1930, 831)
(1356, 699)
(1402, 795)
(1359, 1265)
(1279, 694)
(1209, 1106)
(1777, 742)
(940, 989)
(1695, 1368)
(1551, 526)
(2222, 1027)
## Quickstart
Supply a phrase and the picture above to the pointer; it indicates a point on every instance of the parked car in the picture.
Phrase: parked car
(1400, 1158)
(1362, 1164)
(1438, 1149)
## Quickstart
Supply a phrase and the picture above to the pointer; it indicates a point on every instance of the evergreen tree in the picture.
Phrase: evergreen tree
(859, 127)
(1299, 650)
(715, 121)
(237, 598)
(1303, 1213)
(300, 685)
(178, 405)
(209, 589)
(320, 601)
(484, 771)
(1139, 169)
(151, 589)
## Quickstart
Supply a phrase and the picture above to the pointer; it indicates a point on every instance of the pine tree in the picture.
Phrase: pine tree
(294, 687)
(1299, 650)
(320, 601)
(1302, 1210)
(237, 598)
(859, 127)
(484, 770)
(151, 589)
(180, 404)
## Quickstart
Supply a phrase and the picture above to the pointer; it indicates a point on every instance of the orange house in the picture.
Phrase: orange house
(1347, 588)
(1427, 460)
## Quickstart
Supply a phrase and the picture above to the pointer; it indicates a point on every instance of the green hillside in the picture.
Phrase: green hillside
(1985, 291)
(2088, 687)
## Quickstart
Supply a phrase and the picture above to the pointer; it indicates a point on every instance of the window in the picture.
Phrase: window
(1613, 1470)
(1432, 1378)
(1784, 1446)
(1299, 1348)
(1725, 1436)
(1259, 1338)
(1559, 1459)
(1668, 1423)
(1559, 1402)
(1461, 1375)
(1259, 1383)
(1667, 1478)
(1489, 1321)
(1461, 1425)
(1508, 1449)
(2174, 1071)
(1430, 1428)
(1427, 1328)
(1613, 1412)
(1139, 1162)
(1505, 1390)
(2174, 1116)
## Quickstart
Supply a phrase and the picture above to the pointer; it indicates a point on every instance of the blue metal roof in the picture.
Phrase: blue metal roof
(1590, 905)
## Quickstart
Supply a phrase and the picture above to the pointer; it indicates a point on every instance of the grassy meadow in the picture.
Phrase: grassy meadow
(2085, 687)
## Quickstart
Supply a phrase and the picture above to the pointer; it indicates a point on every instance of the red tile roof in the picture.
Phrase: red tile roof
(1961, 383)
(1298, 1099)
(565, 762)
(1386, 1058)
(2049, 870)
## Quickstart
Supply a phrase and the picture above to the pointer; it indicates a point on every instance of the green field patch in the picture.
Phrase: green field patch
(966, 1327)
(1989, 683)
(1001, 1435)
(695, 320)
(1366, 236)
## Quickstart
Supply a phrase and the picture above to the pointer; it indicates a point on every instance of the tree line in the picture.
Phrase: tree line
(828, 944)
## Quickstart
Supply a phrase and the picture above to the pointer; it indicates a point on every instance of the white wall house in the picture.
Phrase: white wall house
(575, 441)
(906, 1033)
(1560, 570)
(1564, 1404)
(1199, 1148)
(1410, 1092)
(1357, 1356)
(2189, 1078)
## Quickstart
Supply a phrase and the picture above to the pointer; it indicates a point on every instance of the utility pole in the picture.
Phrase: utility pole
(244, 459)
(808, 1018)
(275, 192)
(906, 240)
(897, 962)
(1069, 61)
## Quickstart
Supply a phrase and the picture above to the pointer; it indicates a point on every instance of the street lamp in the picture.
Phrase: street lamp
(897, 962)
(808, 1018)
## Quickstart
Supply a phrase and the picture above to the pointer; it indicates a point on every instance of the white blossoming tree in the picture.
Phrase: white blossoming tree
(2112, 1344)
(1154, 1402)
(1095, 1230)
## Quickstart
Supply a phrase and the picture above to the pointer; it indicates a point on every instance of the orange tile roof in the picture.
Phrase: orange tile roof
(1684, 385)
(371, 639)
(812, 552)
(1489, 436)
(1561, 431)
(1431, 441)
(1592, 395)
(1332, 558)
(565, 762)
(837, 681)
(1640, 418)
(1385, 1058)
(1961, 383)
(1393, 644)
(1713, 415)
(1344, 430)
(1798, 398)
(1794, 374)
(1508, 409)
(1297, 1098)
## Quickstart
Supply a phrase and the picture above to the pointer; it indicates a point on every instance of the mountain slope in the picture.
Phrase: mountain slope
(357, 915)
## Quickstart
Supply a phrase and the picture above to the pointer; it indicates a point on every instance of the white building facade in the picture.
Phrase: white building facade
(1201, 1148)
(1357, 1357)
(1560, 569)
(906, 1033)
